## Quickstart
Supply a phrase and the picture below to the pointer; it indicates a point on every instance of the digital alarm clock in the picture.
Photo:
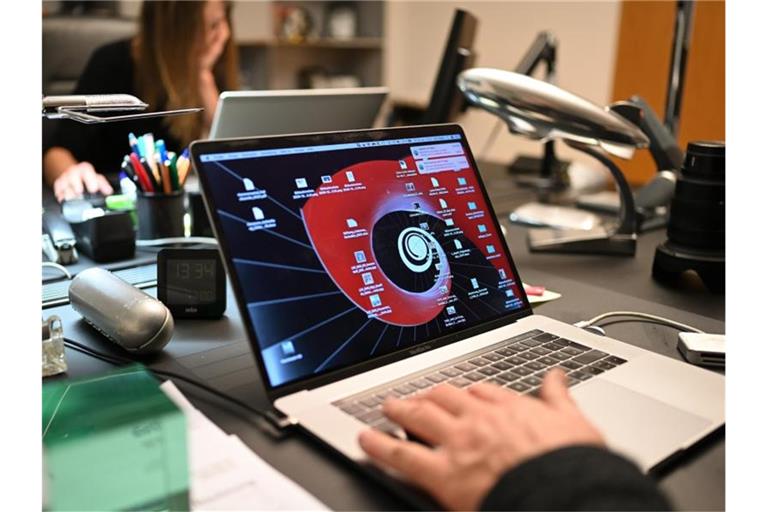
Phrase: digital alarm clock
(192, 283)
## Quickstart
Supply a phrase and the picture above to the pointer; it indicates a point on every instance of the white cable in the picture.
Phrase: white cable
(642, 316)
(58, 267)
(177, 240)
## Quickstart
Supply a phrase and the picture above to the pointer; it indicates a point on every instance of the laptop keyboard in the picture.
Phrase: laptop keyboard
(518, 364)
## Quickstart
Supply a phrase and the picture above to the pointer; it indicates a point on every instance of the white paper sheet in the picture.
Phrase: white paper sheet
(225, 474)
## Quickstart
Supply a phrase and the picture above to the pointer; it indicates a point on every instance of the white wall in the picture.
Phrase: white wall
(587, 33)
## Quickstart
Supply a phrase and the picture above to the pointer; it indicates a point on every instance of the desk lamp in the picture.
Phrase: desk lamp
(81, 108)
(544, 112)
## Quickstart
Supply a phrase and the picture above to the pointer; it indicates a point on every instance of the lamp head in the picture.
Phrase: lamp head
(542, 111)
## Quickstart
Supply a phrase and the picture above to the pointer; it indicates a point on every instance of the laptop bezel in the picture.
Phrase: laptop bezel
(200, 147)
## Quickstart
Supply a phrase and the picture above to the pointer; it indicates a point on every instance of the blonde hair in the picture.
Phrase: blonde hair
(165, 54)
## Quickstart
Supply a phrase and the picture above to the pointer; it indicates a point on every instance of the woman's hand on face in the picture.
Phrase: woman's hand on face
(216, 29)
(77, 179)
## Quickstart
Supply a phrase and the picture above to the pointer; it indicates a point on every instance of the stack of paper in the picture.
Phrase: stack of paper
(225, 474)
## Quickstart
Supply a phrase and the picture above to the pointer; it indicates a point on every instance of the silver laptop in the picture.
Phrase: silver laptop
(254, 113)
(370, 264)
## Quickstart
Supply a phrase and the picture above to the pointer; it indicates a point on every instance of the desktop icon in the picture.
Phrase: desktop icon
(301, 183)
(350, 176)
(462, 181)
(509, 293)
(472, 205)
(457, 243)
(326, 179)
(450, 310)
(287, 348)
(351, 223)
(248, 184)
(424, 226)
(434, 181)
(410, 187)
(443, 289)
(474, 282)
(360, 256)
(367, 278)
(258, 214)
(481, 228)
(449, 222)
(491, 249)
(420, 166)
(443, 203)
(403, 164)
(502, 274)
(415, 152)
(375, 300)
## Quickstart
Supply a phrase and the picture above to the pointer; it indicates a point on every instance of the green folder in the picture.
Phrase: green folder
(113, 442)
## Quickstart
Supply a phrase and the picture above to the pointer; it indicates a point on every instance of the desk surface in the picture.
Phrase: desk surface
(218, 353)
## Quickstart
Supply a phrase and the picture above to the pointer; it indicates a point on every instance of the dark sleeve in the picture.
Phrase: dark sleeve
(575, 478)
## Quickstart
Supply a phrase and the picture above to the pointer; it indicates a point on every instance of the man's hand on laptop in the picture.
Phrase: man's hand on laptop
(477, 435)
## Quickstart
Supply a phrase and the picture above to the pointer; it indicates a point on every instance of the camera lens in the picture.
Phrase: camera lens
(697, 212)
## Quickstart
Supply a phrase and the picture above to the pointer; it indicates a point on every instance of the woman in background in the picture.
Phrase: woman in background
(182, 56)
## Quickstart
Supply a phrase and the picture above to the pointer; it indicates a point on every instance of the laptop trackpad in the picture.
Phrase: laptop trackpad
(636, 425)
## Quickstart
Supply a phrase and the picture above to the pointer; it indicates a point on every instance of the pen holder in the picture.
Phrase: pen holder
(160, 215)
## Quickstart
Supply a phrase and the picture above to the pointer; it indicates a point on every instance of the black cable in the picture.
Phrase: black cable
(118, 361)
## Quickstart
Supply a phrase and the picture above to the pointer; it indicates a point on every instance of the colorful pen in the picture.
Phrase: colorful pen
(141, 173)
(134, 143)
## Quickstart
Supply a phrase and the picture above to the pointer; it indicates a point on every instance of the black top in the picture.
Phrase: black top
(575, 478)
(110, 70)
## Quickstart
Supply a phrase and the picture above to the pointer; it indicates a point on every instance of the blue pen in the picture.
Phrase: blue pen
(160, 146)
(134, 143)
(185, 153)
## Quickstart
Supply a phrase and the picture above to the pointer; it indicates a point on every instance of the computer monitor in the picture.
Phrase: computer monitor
(282, 112)
(446, 100)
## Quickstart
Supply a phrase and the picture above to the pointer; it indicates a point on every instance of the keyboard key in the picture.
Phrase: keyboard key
(502, 365)
(497, 381)
(460, 382)
(535, 365)
(437, 377)
(531, 381)
(572, 381)
(389, 427)
(559, 356)
(573, 351)
(571, 365)
(478, 361)
(531, 343)
(577, 345)
(421, 383)
(519, 387)
(576, 374)
(515, 360)
(474, 376)
(493, 357)
(534, 392)
(450, 372)
(522, 371)
(508, 376)
(352, 409)
(406, 389)
(524, 336)
(370, 402)
(615, 360)
(528, 355)
(506, 352)
(488, 371)
(545, 337)
(592, 370)
(520, 347)
(465, 367)
(371, 416)
(590, 357)
(547, 361)
(604, 365)
(554, 346)
(540, 351)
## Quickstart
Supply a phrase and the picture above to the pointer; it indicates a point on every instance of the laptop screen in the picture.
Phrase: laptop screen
(344, 250)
